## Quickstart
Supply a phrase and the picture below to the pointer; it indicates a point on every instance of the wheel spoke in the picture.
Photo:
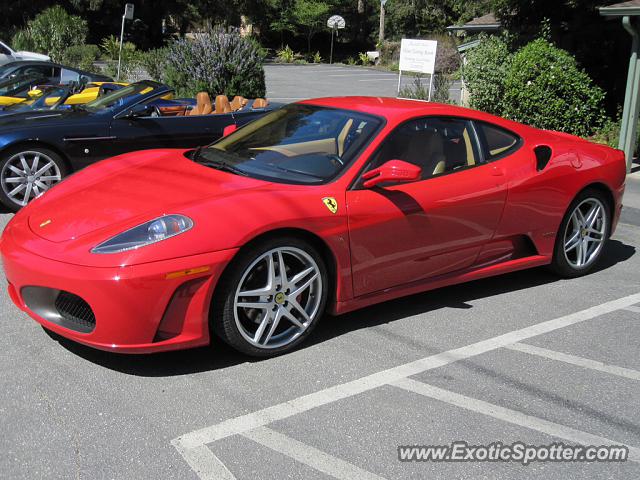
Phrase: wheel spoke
(261, 305)
(592, 216)
(274, 325)
(292, 318)
(295, 305)
(17, 171)
(269, 287)
(25, 165)
(27, 194)
(585, 251)
(14, 180)
(262, 327)
(43, 169)
(299, 276)
(282, 268)
(34, 164)
(572, 242)
(50, 178)
(304, 286)
(17, 190)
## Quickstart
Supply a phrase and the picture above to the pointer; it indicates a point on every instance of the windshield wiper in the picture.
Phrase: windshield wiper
(219, 165)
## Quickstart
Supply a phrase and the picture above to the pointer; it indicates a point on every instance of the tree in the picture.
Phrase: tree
(310, 16)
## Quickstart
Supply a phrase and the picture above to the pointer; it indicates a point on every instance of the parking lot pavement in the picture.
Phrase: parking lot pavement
(288, 83)
(522, 357)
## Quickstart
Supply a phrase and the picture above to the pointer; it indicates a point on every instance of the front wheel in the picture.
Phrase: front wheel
(582, 235)
(271, 298)
(26, 173)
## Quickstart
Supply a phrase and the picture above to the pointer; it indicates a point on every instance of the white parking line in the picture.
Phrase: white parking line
(203, 461)
(511, 416)
(574, 360)
(260, 418)
(633, 308)
(356, 74)
(321, 461)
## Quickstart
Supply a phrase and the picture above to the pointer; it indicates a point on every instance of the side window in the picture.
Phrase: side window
(497, 142)
(4, 50)
(69, 76)
(437, 145)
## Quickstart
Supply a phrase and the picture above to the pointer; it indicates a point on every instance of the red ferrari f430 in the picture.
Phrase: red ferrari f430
(324, 205)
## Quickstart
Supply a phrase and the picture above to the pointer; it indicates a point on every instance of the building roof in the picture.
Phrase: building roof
(485, 23)
(631, 7)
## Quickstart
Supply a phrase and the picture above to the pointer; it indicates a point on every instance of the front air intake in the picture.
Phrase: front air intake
(76, 311)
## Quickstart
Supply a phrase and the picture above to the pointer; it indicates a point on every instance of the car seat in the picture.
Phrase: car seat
(203, 104)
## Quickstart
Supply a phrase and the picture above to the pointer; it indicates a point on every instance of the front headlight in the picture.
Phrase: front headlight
(150, 232)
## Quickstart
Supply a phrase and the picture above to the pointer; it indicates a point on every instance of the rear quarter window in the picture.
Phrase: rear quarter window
(497, 142)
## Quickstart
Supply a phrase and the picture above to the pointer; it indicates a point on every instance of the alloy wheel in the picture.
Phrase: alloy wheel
(585, 233)
(26, 175)
(278, 297)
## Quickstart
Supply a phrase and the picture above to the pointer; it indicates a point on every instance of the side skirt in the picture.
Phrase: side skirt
(439, 282)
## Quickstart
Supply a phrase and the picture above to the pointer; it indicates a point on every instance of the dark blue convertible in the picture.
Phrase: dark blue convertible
(39, 147)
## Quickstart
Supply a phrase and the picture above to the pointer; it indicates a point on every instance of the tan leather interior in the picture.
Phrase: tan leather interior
(440, 167)
(260, 103)
(238, 103)
(203, 104)
(342, 136)
(173, 111)
(222, 104)
(326, 145)
(471, 159)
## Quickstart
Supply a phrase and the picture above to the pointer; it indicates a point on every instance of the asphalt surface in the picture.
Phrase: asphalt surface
(288, 83)
(458, 363)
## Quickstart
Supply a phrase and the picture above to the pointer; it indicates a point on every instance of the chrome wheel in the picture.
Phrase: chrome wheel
(27, 175)
(278, 297)
(585, 233)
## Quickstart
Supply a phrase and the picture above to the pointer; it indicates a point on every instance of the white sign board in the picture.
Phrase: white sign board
(418, 56)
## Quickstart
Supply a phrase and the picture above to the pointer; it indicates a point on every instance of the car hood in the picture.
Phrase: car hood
(36, 118)
(129, 190)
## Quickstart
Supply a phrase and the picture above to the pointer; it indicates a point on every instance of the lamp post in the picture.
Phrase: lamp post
(128, 15)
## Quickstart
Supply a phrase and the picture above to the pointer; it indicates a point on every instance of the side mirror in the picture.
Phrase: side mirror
(395, 171)
(140, 110)
(229, 129)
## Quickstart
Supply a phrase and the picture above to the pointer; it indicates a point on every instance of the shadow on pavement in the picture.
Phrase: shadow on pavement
(221, 356)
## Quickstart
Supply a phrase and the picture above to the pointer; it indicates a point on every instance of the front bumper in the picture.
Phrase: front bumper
(137, 309)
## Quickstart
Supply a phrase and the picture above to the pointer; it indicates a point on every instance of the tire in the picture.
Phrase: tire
(250, 329)
(16, 173)
(581, 239)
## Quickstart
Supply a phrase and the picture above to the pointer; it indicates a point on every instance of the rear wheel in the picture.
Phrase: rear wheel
(582, 235)
(272, 297)
(26, 173)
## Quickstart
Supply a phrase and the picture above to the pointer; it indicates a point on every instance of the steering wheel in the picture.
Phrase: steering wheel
(156, 112)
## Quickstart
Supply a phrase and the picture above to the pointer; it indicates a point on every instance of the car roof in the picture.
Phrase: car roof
(397, 110)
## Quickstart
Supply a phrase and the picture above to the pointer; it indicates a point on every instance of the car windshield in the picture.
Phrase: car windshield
(49, 100)
(119, 97)
(302, 144)
(19, 86)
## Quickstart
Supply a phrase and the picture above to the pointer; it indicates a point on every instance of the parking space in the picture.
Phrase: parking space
(522, 357)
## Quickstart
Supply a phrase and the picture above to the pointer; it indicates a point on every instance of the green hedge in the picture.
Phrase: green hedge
(545, 87)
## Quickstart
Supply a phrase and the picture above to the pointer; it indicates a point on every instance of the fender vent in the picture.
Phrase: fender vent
(543, 155)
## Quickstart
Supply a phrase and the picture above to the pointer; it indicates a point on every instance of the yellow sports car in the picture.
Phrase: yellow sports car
(27, 88)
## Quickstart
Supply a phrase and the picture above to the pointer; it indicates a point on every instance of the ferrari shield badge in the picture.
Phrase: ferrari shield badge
(331, 204)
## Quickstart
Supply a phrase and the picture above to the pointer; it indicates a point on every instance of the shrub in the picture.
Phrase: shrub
(285, 55)
(419, 88)
(545, 87)
(351, 61)
(484, 74)
(81, 56)
(364, 58)
(317, 58)
(155, 62)
(111, 47)
(389, 53)
(22, 40)
(218, 62)
(54, 30)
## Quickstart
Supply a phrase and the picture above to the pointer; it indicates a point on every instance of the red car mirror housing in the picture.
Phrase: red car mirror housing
(396, 171)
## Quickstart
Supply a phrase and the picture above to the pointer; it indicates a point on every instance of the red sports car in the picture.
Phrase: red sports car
(328, 204)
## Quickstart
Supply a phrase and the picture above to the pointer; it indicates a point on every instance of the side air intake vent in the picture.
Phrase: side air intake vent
(543, 155)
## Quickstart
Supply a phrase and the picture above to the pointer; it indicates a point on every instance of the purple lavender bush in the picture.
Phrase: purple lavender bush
(216, 61)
